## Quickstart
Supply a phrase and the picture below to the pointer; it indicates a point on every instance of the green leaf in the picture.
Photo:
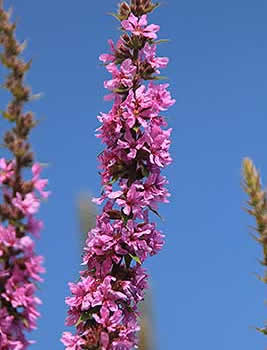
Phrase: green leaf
(125, 218)
(79, 321)
(85, 316)
(128, 260)
(25, 322)
(8, 116)
(115, 15)
(136, 128)
(159, 77)
(161, 41)
(136, 258)
(262, 330)
(45, 165)
(121, 90)
(260, 278)
(36, 97)
(145, 171)
(152, 7)
(113, 180)
(155, 212)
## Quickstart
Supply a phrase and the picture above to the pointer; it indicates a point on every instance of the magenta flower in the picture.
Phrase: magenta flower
(149, 52)
(81, 299)
(137, 107)
(123, 77)
(8, 236)
(6, 170)
(160, 96)
(34, 226)
(104, 302)
(155, 190)
(28, 205)
(131, 145)
(39, 184)
(142, 240)
(159, 144)
(107, 320)
(72, 342)
(106, 296)
(132, 202)
(105, 57)
(139, 26)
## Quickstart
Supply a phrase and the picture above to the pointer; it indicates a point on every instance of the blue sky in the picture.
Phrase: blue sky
(205, 295)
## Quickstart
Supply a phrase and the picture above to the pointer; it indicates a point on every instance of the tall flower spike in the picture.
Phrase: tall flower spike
(104, 303)
(257, 208)
(20, 267)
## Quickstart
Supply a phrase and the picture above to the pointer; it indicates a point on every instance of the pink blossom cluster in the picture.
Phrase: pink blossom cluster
(20, 267)
(104, 303)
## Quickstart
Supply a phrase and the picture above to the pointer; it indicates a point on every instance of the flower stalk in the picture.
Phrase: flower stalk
(257, 207)
(21, 192)
(104, 303)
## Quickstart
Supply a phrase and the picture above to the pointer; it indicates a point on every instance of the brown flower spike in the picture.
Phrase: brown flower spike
(258, 208)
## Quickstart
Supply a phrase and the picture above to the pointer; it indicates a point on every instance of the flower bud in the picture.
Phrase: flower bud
(124, 10)
(27, 187)
(27, 159)
(141, 7)
(126, 38)
(28, 121)
(9, 138)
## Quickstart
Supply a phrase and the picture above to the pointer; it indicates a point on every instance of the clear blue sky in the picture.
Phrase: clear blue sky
(205, 293)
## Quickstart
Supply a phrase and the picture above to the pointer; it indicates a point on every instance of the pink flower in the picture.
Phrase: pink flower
(109, 132)
(106, 296)
(149, 53)
(34, 267)
(104, 241)
(133, 201)
(130, 144)
(19, 291)
(160, 96)
(82, 293)
(159, 143)
(105, 57)
(142, 239)
(28, 206)
(39, 184)
(8, 236)
(104, 340)
(155, 190)
(72, 342)
(122, 77)
(6, 170)
(136, 107)
(34, 226)
(139, 26)
(109, 322)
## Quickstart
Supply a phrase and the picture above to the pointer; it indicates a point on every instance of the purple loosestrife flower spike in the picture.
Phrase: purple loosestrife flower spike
(258, 208)
(104, 303)
(20, 267)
